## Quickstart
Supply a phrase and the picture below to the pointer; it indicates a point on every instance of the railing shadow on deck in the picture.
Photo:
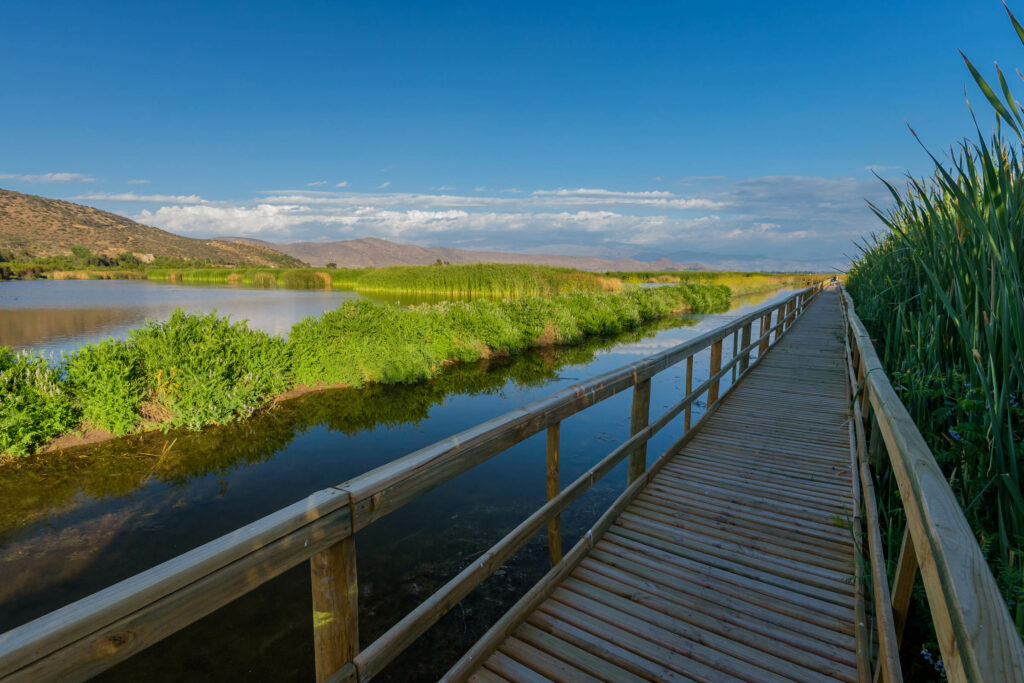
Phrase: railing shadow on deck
(976, 635)
(93, 634)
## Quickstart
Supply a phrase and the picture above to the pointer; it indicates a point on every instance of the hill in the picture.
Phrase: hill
(371, 252)
(39, 227)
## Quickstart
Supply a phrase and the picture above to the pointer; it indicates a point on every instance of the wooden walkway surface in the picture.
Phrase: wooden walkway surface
(737, 560)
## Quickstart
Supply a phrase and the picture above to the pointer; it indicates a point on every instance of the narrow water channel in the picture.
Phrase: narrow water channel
(75, 522)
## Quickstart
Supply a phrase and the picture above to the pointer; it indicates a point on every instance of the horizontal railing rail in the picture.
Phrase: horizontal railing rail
(977, 637)
(89, 636)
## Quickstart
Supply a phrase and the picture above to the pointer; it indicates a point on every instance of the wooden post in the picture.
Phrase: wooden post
(335, 607)
(744, 343)
(779, 317)
(766, 324)
(903, 584)
(638, 420)
(876, 444)
(689, 387)
(735, 341)
(554, 488)
(716, 365)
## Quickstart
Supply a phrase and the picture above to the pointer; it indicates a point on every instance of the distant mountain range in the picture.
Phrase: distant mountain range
(371, 252)
(32, 227)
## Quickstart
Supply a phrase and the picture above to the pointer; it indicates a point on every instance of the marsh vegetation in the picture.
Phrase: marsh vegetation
(197, 370)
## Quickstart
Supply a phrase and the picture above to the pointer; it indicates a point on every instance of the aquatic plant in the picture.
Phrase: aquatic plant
(204, 369)
(107, 385)
(739, 282)
(197, 370)
(943, 292)
(361, 342)
(34, 402)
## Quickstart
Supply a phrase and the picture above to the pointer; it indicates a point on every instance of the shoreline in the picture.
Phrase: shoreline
(90, 435)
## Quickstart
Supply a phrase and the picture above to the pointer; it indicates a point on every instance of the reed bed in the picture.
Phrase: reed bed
(484, 279)
(197, 370)
(739, 282)
(942, 292)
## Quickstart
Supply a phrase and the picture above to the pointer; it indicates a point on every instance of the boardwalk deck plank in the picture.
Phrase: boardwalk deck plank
(735, 562)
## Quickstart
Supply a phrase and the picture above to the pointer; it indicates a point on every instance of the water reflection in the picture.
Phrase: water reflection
(76, 522)
(61, 315)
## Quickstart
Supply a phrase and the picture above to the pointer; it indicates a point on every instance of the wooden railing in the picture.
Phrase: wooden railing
(86, 637)
(976, 636)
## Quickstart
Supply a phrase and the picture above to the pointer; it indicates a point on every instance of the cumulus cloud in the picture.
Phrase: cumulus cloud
(48, 178)
(343, 183)
(791, 219)
(137, 182)
(386, 183)
(144, 198)
(316, 183)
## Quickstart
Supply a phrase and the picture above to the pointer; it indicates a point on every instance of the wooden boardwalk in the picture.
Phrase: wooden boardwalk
(736, 561)
(730, 558)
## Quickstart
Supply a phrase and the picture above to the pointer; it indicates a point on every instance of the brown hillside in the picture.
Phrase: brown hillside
(32, 227)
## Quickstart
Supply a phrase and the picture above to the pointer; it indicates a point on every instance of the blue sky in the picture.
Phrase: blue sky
(610, 129)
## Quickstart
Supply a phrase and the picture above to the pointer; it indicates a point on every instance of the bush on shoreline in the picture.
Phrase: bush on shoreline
(197, 370)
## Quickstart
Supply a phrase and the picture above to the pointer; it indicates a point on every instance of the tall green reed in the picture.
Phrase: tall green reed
(943, 291)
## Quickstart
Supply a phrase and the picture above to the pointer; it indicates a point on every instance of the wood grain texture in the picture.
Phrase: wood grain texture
(554, 488)
(335, 607)
(976, 634)
(735, 561)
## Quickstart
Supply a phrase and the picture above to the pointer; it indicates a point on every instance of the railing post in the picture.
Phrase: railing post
(716, 365)
(689, 388)
(554, 488)
(903, 584)
(766, 336)
(335, 607)
(735, 342)
(780, 317)
(744, 343)
(638, 420)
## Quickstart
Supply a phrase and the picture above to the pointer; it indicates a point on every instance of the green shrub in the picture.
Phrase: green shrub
(203, 369)
(107, 382)
(34, 403)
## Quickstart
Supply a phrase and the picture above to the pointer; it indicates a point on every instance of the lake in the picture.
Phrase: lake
(73, 523)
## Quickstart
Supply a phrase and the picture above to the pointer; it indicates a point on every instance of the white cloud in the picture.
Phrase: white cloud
(791, 219)
(585, 192)
(48, 178)
(317, 183)
(386, 183)
(880, 168)
(343, 183)
(137, 182)
(444, 187)
(147, 198)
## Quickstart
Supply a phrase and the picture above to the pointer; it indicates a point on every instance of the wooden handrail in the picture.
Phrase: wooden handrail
(91, 635)
(977, 637)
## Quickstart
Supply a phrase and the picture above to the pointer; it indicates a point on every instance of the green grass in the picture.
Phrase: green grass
(196, 370)
(739, 282)
(485, 279)
(943, 293)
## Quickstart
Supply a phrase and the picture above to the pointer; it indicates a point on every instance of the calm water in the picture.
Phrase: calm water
(61, 315)
(73, 523)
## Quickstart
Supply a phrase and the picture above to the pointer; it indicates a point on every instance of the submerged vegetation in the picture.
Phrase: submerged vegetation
(196, 370)
(943, 294)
